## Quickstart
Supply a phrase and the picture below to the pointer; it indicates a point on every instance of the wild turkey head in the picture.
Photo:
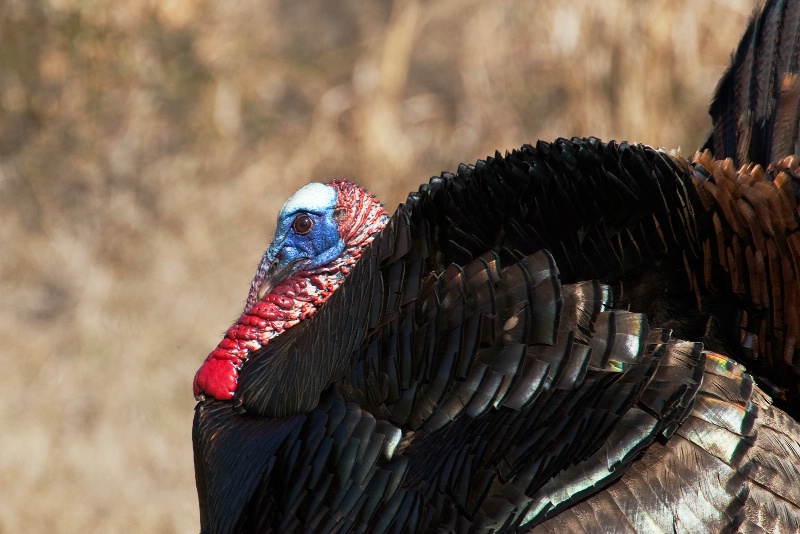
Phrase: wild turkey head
(321, 233)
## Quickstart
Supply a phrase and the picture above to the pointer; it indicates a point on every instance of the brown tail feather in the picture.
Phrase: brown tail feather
(756, 247)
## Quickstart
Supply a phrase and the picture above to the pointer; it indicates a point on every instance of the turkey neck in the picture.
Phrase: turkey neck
(296, 299)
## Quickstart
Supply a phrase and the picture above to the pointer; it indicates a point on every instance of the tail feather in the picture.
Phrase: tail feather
(754, 110)
(785, 126)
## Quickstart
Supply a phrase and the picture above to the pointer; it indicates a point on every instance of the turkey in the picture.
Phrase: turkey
(506, 352)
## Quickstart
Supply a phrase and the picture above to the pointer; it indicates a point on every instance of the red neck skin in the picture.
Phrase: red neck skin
(295, 299)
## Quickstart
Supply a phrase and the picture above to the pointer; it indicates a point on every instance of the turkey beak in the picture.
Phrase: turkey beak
(269, 281)
(275, 275)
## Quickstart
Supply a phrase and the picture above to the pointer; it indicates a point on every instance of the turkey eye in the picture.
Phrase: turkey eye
(303, 224)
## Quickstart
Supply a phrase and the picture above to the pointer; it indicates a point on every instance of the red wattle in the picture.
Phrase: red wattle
(216, 378)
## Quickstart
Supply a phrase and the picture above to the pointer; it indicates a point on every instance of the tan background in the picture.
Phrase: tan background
(146, 146)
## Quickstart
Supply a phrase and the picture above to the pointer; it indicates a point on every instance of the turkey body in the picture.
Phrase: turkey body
(508, 353)
(497, 391)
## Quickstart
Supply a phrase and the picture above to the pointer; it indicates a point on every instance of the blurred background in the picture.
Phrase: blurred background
(147, 145)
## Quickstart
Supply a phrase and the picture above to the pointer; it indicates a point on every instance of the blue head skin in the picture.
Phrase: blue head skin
(307, 236)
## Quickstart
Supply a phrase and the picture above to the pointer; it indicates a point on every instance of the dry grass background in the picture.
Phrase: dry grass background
(146, 146)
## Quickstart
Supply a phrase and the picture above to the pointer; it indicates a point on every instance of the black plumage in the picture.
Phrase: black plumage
(507, 353)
